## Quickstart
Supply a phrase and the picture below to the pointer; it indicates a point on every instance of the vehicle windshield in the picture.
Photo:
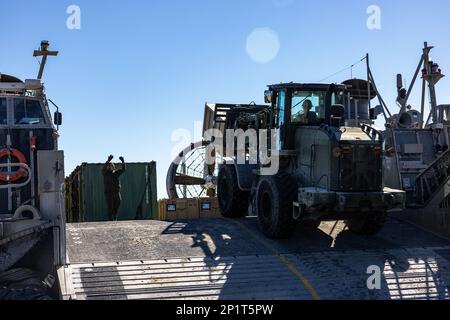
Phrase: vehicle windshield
(3, 112)
(28, 112)
(308, 107)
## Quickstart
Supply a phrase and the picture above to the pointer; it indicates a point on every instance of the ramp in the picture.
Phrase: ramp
(230, 260)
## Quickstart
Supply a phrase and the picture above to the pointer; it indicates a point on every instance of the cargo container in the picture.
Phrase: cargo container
(85, 196)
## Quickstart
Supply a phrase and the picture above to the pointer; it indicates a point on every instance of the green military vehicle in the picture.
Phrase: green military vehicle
(328, 154)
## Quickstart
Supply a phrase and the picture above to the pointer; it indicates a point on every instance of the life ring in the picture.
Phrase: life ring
(15, 175)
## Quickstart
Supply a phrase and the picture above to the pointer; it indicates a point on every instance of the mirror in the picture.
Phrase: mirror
(57, 118)
(268, 96)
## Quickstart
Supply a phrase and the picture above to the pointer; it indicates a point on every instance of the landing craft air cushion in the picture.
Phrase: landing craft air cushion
(32, 215)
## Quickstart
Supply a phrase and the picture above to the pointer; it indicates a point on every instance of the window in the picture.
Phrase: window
(446, 111)
(308, 107)
(281, 105)
(337, 98)
(28, 112)
(3, 112)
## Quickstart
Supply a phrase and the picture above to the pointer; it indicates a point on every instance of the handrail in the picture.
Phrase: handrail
(18, 185)
(439, 173)
(18, 214)
(372, 131)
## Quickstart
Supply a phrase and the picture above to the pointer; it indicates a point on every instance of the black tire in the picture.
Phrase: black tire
(368, 225)
(274, 205)
(233, 201)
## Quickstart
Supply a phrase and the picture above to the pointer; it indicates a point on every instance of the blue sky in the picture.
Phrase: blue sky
(138, 70)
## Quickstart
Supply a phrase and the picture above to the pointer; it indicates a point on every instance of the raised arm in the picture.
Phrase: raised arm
(124, 167)
(105, 166)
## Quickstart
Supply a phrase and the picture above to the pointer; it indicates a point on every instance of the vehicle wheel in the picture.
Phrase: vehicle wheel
(369, 225)
(274, 205)
(233, 201)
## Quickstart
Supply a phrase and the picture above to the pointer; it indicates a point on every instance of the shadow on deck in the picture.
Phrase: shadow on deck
(229, 259)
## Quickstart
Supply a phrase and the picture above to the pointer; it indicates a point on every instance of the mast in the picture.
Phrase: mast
(44, 53)
(431, 73)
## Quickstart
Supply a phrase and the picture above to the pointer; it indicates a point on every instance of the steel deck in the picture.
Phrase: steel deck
(229, 259)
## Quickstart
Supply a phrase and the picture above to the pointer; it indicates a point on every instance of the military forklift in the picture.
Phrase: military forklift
(328, 153)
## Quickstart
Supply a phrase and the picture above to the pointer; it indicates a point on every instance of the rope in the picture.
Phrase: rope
(37, 60)
(348, 68)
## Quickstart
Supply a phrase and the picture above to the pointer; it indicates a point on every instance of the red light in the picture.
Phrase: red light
(424, 72)
(33, 143)
(391, 152)
(377, 150)
(337, 152)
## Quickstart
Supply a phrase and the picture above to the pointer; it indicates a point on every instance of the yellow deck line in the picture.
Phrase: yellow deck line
(282, 258)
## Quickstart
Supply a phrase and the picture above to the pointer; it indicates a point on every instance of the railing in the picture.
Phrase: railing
(432, 179)
(372, 132)
(17, 185)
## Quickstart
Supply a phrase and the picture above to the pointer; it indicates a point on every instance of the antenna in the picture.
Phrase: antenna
(44, 52)
(369, 94)
(431, 74)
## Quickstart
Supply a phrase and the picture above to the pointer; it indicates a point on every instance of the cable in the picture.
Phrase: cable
(350, 67)
(37, 60)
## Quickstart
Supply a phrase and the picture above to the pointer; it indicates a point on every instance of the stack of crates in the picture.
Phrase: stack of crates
(188, 209)
(178, 209)
(209, 208)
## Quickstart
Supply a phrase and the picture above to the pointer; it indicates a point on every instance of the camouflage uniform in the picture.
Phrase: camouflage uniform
(112, 190)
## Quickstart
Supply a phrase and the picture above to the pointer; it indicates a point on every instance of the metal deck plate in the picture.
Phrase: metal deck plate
(229, 259)
(196, 278)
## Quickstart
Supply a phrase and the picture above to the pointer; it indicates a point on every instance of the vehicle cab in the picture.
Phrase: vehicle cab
(327, 142)
(26, 127)
(295, 105)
